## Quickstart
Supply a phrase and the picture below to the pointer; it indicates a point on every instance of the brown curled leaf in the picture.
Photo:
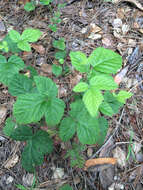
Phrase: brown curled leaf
(99, 161)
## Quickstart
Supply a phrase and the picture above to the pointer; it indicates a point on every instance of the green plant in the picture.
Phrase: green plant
(75, 155)
(22, 41)
(65, 187)
(29, 6)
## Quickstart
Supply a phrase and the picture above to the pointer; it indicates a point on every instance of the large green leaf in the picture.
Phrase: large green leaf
(3, 59)
(35, 149)
(54, 111)
(19, 85)
(9, 69)
(92, 100)
(31, 35)
(79, 61)
(80, 87)
(67, 129)
(103, 82)
(105, 60)
(46, 86)
(29, 108)
(22, 133)
(88, 130)
(106, 109)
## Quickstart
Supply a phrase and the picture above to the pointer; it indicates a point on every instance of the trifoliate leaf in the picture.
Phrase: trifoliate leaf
(67, 129)
(79, 61)
(22, 133)
(24, 45)
(92, 100)
(105, 60)
(59, 44)
(9, 127)
(31, 35)
(56, 70)
(54, 111)
(46, 86)
(103, 82)
(29, 108)
(35, 149)
(14, 35)
(123, 95)
(19, 85)
(9, 69)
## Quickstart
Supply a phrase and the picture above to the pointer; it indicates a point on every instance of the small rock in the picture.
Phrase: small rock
(40, 61)
(125, 29)
(117, 23)
(120, 155)
(116, 186)
(3, 111)
(58, 173)
(95, 28)
(9, 180)
(136, 147)
(28, 180)
(2, 27)
(84, 30)
(139, 157)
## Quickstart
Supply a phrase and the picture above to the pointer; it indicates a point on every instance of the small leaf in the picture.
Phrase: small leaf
(103, 82)
(31, 35)
(14, 35)
(67, 129)
(92, 100)
(56, 70)
(9, 126)
(54, 111)
(123, 95)
(46, 86)
(29, 108)
(29, 6)
(53, 27)
(79, 61)
(60, 54)
(106, 109)
(19, 85)
(80, 87)
(105, 60)
(65, 187)
(22, 133)
(24, 45)
(35, 149)
(59, 44)
(45, 2)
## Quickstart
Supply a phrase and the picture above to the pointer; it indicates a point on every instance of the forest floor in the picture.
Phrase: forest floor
(85, 25)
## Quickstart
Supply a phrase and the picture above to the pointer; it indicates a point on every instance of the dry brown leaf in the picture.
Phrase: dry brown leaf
(99, 161)
(39, 48)
(3, 112)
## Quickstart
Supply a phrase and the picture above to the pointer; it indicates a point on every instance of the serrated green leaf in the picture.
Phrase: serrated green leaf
(56, 70)
(29, 6)
(105, 60)
(59, 44)
(88, 130)
(60, 54)
(123, 95)
(24, 45)
(92, 100)
(53, 27)
(19, 85)
(9, 126)
(54, 111)
(31, 35)
(103, 82)
(9, 69)
(14, 35)
(106, 109)
(80, 87)
(46, 86)
(29, 108)
(22, 133)
(67, 129)
(79, 61)
(35, 149)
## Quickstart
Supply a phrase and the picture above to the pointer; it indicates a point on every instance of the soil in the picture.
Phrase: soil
(86, 25)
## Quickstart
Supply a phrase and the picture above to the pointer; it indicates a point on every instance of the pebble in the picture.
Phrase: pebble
(9, 180)
(117, 23)
(28, 179)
